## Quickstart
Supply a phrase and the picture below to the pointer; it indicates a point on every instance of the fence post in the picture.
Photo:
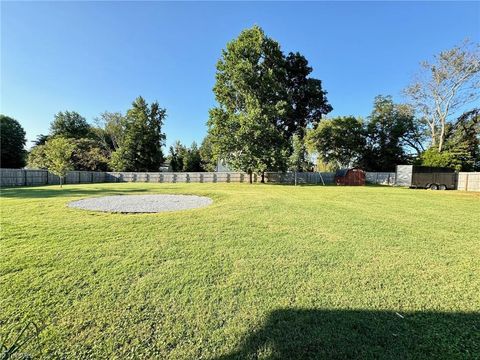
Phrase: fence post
(25, 177)
(466, 183)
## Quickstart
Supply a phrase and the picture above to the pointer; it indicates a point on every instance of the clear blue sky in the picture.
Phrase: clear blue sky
(96, 56)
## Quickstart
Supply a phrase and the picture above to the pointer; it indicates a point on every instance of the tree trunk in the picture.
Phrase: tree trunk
(61, 181)
(295, 177)
(440, 140)
(263, 177)
(432, 130)
(250, 177)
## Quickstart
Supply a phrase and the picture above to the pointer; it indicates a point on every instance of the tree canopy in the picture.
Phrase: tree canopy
(70, 124)
(264, 98)
(339, 141)
(141, 146)
(58, 156)
(12, 143)
(444, 87)
(390, 129)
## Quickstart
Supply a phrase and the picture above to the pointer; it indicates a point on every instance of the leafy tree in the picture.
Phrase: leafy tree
(298, 160)
(12, 137)
(118, 160)
(264, 99)
(248, 141)
(306, 101)
(451, 159)
(37, 158)
(462, 141)
(446, 86)
(58, 153)
(385, 140)
(207, 155)
(70, 124)
(141, 147)
(88, 155)
(390, 128)
(110, 130)
(339, 142)
(249, 88)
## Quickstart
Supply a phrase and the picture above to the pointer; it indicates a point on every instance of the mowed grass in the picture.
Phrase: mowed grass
(265, 272)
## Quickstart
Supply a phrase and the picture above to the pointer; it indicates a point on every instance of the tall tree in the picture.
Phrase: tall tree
(110, 130)
(306, 101)
(339, 142)
(391, 127)
(70, 124)
(141, 147)
(264, 98)
(12, 143)
(445, 86)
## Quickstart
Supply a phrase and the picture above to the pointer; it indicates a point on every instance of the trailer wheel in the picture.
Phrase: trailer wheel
(442, 187)
(433, 187)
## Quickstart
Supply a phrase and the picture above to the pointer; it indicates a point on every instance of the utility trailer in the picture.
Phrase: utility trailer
(426, 177)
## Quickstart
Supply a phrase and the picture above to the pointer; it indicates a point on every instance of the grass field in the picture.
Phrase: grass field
(265, 272)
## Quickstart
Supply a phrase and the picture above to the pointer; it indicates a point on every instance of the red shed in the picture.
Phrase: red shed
(351, 177)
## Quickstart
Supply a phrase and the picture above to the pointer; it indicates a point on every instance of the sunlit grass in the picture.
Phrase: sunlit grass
(265, 272)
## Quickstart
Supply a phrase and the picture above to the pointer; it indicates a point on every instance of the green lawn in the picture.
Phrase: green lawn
(265, 272)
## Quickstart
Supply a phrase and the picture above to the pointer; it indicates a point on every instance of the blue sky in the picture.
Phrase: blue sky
(98, 56)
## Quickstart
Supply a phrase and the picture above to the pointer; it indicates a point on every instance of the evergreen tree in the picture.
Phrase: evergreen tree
(207, 155)
(141, 147)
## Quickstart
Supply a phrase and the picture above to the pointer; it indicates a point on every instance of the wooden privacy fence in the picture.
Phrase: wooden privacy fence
(20, 177)
(302, 177)
(468, 181)
(380, 178)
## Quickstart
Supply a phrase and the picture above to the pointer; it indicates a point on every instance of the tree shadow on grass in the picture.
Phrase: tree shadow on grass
(357, 334)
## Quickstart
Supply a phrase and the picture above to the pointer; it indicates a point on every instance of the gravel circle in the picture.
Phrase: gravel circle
(141, 203)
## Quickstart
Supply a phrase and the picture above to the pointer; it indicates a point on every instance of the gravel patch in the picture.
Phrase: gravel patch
(141, 203)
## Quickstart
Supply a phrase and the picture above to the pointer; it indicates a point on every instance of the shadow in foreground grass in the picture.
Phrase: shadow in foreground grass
(357, 334)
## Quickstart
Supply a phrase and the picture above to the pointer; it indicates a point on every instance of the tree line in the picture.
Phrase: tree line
(272, 115)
